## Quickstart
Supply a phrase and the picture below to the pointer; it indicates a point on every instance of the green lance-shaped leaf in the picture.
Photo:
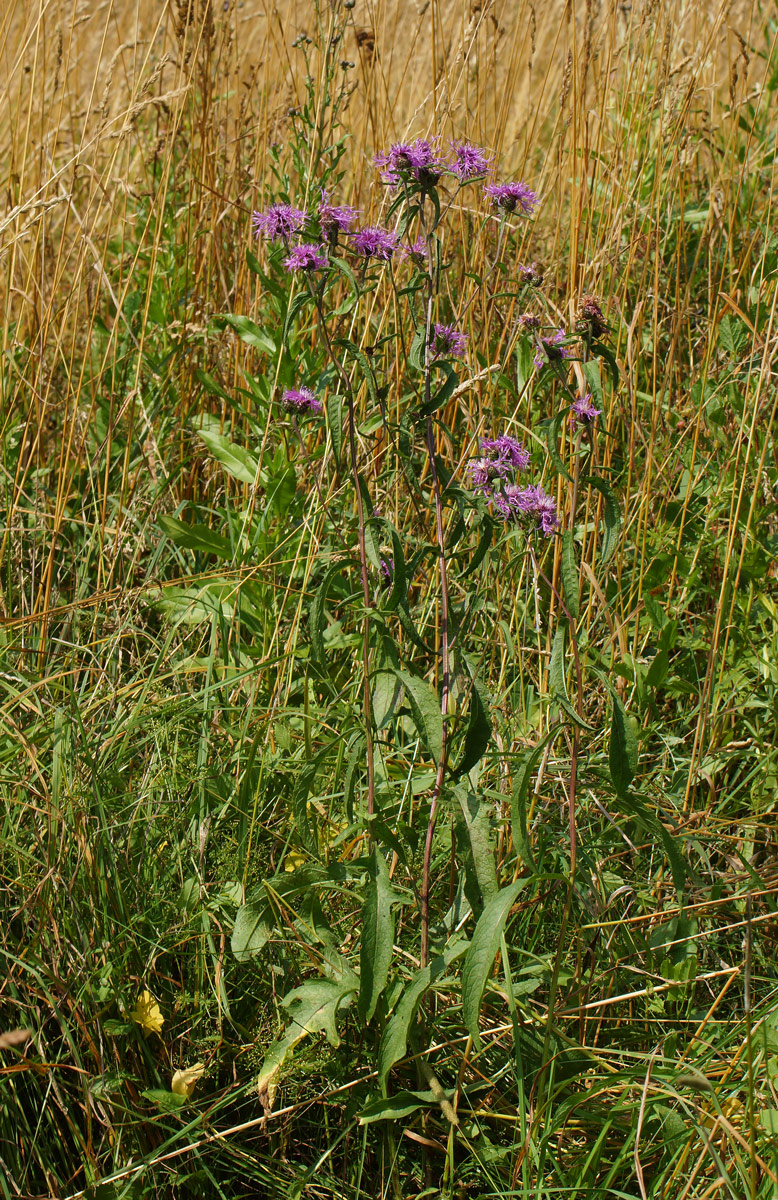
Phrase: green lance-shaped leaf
(591, 370)
(570, 574)
(195, 537)
(623, 750)
(475, 817)
(313, 1008)
(425, 708)
(611, 516)
(248, 332)
(416, 355)
(479, 727)
(610, 358)
(444, 392)
(335, 426)
(211, 385)
(394, 1041)
(237, 461)
(377, 935)
(525, 367)
(552, 438)
(556, 679)
(392, 1108)
(479, 960)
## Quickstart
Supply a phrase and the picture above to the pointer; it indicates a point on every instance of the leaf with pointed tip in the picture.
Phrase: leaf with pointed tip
(377, 935)
(425, 708)
(556, 679)
(479, 960)
(247, 331)
(313, 1008)
(570, 574)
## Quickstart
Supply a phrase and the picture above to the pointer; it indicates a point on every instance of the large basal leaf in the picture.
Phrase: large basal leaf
(237, 461)
(425, 708)
(479, 960)
(377, 935)
(313, 1008)
(247, 331)
(195, 537)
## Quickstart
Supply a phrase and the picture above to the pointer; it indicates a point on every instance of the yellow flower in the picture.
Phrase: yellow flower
(184, 1081)
(147, 1013)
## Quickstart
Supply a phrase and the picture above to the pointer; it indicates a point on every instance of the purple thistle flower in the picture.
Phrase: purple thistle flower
(306, 257)
(417, 253)
(448, 342)
(528, 322)
(469, 161)
(335, 218)
(551, 349)
(407, 161)
(532, 502)
(483, 473)
(300, 401)
(280, 222)
(532, 275)
(583, 411)
(512, 197)
(374, 242)
(508, 450)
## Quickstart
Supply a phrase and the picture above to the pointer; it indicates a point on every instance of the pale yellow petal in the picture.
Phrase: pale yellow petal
(147, 1013)
(183, 1082)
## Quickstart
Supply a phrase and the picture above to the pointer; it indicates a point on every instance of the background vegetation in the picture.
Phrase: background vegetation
(182, 782)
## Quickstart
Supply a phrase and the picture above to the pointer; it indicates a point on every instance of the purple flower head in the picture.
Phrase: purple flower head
(589, 320)
(528, 322)
(407, 161)
(532, 275)
(512, 197)
(551, 349)
(417, 253)
(469, 161)
(508, 450)
(280, 222)
(448, 342)
(306, 257)
(583, 411)
(374, 242)
(300, 401)
(335, 218)
(484, 472)
(533, 502)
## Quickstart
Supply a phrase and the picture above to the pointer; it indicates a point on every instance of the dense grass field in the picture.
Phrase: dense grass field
(373, 823)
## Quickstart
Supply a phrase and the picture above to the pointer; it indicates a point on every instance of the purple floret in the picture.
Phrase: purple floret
(508, 450)
(469, 161)
(374, 242)
(280, 222)
(448, 342)
(335, 218)
(531, 502)
(583, 411)
(407, 161)
(417, 253)
(483, 473)
(300, 401)
(306, 257)
(512, 197)
(551, 349)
